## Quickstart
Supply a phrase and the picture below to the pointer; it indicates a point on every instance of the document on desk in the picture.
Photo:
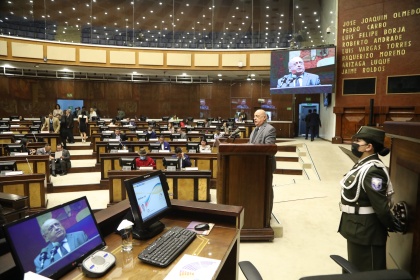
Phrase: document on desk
(58, 154)
(193, 267)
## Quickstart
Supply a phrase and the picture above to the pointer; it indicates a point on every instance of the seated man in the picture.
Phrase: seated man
(144, 160)
(62, 162)
(183, 135)
(184, 160)
(46, 150)
(163, 144)
(151, 134)
(118, 135)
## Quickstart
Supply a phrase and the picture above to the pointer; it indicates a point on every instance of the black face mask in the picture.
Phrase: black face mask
(355, 150)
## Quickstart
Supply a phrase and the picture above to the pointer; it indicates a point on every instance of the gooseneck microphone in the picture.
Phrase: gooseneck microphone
(283, 80)
(291, 79)
(234, 133)
(43, 256)
(30, 168)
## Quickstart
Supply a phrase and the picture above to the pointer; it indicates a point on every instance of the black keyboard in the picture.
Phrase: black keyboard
(164, 250)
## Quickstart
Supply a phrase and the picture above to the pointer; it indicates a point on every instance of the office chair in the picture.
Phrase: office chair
(249, 270)
(354, 274)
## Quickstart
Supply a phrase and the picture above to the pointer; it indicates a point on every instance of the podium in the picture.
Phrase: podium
(245, 179)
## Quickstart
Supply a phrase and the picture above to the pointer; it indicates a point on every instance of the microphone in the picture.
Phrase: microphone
(36, 140)
(43, 256)
(283, 80)
(234, 133)
(30, 168)
(53, 252)
(291, 79)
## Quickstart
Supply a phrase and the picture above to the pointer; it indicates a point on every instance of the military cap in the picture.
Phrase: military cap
(370, 133)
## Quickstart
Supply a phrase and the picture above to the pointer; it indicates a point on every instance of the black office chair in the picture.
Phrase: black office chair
(354, 274)
(249, 270)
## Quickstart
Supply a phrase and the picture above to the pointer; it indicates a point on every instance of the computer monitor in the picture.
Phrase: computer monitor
(4, 128)
(163, 127)
(103, 128)
(124, 123)
(149, 201)
(176, 123)
(193, 147)
(94, 119)
(190, 119)
(105, 136)
(230, 124)
(171, 163)
(18, 137)
(210, 119)
(165, 118)
(142, 136)
(200, 124)
(128, 163)
(14, 148)
(208, 136)
(154, 147)
(37, 122)
(132, 128)
(14, 118)
(100, 123)
(9, 165)
(151, 123)
(231, 120)
(4, 123)
(31, 251)
(113, 147)
(189, 129)
(175, 136)
(34, 128)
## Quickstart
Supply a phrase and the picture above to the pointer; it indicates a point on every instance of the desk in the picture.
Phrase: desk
(222, 242)
(32, 164)
(185, 185)
(32, 185)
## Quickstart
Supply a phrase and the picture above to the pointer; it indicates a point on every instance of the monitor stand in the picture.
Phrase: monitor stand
(149, 232)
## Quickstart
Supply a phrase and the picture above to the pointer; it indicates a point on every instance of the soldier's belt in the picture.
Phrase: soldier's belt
(356, 210)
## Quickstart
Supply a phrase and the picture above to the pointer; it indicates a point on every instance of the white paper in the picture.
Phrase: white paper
(58, 154)
(199, 268)
(33, 276)
(124, 223)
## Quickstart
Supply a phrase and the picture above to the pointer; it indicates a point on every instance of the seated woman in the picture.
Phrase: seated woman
(204, 147)
(144, 160)
(171, 127)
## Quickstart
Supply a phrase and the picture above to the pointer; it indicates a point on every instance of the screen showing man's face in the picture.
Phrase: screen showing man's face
(296, 66)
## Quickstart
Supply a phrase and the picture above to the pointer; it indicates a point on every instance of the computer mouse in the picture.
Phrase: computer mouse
(202, 227)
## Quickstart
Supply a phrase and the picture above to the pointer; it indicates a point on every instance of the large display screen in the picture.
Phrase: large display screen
(305, 71)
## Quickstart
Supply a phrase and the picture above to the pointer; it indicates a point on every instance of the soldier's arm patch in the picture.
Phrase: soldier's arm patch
(376, 183)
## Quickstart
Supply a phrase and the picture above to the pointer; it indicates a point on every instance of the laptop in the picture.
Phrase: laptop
(35, 241)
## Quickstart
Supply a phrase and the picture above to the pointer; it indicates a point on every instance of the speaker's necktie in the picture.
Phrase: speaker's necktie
(63, 249)
(254, 136)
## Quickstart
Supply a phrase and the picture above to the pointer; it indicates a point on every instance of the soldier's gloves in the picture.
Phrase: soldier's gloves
(400, 217)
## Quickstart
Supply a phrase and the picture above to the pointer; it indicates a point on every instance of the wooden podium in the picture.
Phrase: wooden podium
(245, 179)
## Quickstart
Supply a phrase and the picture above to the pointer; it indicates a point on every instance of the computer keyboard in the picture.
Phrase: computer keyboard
(164, 250)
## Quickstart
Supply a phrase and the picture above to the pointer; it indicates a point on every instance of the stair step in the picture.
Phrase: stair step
(73, 179)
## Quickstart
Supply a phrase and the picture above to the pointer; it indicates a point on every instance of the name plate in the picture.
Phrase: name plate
(146, 168)
(122, 151)
(190, 168)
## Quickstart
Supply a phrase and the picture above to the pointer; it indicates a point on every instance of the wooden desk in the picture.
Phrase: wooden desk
(31, 185)
(184, 185)
(32, 164)
(222, 243)
(52, 138)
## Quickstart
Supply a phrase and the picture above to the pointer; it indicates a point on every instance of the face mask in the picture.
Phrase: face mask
(355, 150)
(142, 157)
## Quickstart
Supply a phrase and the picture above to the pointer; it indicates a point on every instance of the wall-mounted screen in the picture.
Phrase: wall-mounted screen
(304, 71)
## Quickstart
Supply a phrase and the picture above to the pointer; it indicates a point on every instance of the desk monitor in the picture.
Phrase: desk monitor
(4, 128)
(18, 137)
(100, 122)
(165, 118)
(154, 147)
(94, 119)
(200, 124)
(6, 166)
(4, 123)
(128, 163)
(34, 128)
(193, 147)
(190, 119)
(31, 251)
(171, 163)
(105, 136)
(124, 123)
(210, 119)
(176, 124)
(208, 136)
(113, 147)
(14, 118)
(149, 201)
(231, 120)
(14, 148)
(151, 123)
(175, 136)
(103, 128)
(37, 122)
(230, 124)
(189, 129)
(142, 136)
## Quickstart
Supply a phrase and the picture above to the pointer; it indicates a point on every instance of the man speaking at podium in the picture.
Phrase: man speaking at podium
(297, 76)
(264, 133)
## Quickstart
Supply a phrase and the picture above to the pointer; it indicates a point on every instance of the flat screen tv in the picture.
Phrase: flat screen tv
(142, 136)
(154, 147)
(303, 71)
(149, 203)
(14, 148)
(128, 163)
(34, 240)
(171, 163)
(4, 123)
(14, 118)
(105, 136)
(200, 124)
(4, 128)
(193, 147)
(175, 136)
(113, 147)
(165, 118)
(6, 166)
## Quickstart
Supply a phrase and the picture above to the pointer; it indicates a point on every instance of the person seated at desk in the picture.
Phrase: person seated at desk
(25, 141)
(118, 135)
(225, 128)
(163, 144)
(183, 135)
(204, 147)
(151, 134)
(144, 160)
(62, 162)
(46, 150)
(171, 128)
(217, 134)
(51, 124)
(112, 123)
(184, 160)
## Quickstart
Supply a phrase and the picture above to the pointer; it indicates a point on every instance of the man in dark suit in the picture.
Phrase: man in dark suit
(46, 150)
(297, 76)
(63, 162)
(60, 243)
(314, 124)
(307, 127)
(68, 123)
(118, 135)
(264, 133)
(183, 158)
(163, 144)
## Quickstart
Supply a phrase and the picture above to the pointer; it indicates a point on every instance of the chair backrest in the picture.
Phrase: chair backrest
(249, 270)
